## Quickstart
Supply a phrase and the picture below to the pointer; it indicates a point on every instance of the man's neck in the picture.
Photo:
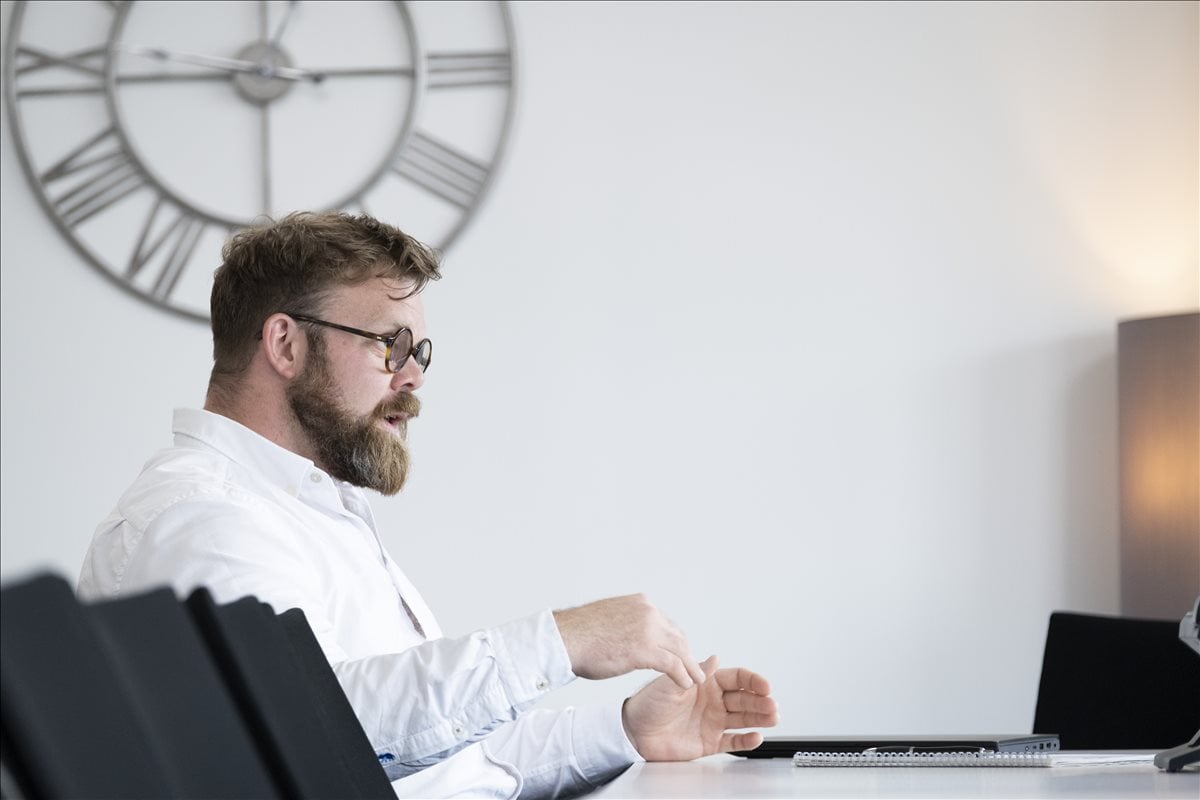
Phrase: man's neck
(268, 416)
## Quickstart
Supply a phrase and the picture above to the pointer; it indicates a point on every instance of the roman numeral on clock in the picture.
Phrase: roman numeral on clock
(85, 66)
(39, 71)
(165, 247)
(441, 170)
(447, 70)
(106, 172)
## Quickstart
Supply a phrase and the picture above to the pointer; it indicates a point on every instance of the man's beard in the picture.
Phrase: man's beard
(351, 449)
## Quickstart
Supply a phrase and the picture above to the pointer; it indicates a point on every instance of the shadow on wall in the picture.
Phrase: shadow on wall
(1048, 475)
(1090, 470)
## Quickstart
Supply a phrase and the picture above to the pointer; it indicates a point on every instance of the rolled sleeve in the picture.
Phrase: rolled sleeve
(601, 745)
(531, 658)
(564, 753)
(423, 705)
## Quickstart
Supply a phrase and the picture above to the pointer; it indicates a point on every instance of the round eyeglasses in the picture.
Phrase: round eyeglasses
(399, 344)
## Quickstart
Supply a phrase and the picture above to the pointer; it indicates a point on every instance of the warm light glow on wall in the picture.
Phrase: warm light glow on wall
(1128, 198)
(1158, 365)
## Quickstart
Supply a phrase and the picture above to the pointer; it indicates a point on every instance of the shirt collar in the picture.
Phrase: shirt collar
(245, 447)
(291, 473)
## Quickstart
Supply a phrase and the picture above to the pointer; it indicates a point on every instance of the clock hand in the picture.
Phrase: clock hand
(227, 64)
(287, 16)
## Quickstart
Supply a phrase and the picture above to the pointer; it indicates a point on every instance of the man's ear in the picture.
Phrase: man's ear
(284, 345)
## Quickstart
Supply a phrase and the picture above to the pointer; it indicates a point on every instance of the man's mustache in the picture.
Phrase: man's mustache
(402, 404)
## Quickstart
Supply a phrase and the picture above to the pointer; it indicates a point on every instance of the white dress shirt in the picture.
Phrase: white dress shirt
(232, 511)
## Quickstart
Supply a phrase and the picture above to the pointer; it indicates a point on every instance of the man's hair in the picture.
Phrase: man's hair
(292, 265)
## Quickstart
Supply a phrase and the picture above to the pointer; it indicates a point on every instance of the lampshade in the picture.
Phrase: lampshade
(1158, 376)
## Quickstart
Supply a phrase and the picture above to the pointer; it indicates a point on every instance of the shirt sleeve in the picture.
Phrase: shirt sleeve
(564, 753)
(422, 705)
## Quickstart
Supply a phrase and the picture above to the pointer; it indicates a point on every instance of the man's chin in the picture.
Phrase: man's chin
(390, 492)
(393, 484)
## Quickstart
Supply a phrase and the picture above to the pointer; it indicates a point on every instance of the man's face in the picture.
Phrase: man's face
(354, 412)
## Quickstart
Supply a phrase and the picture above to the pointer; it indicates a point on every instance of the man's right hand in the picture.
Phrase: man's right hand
(618, 635)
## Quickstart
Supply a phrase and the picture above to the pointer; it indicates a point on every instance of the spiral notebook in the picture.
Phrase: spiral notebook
(917, 758)
(980, 759)
(926, 751)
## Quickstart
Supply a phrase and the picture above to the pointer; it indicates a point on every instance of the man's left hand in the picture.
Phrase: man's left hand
(667, 723)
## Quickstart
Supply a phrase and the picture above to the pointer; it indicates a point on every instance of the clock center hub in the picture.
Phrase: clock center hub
(264, 84)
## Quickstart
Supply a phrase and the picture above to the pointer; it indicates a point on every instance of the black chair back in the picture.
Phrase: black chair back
(351, 747)
(272, 685)
(70, 726)
(180, 694)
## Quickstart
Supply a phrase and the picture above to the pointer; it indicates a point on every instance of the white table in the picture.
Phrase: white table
(726, 776)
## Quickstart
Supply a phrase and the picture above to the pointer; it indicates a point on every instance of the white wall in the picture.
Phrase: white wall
(799, 317)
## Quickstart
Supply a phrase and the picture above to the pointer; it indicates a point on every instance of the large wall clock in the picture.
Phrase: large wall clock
(150, 131)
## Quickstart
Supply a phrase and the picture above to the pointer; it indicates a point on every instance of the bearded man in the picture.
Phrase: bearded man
(319, 342)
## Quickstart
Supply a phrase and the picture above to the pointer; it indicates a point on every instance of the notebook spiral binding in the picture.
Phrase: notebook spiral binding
(985, 758)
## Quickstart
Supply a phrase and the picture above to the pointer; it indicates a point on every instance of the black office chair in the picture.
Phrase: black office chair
(1117, 683)
(351, 746)
(176, 687)
(312, 741)
(70, 728)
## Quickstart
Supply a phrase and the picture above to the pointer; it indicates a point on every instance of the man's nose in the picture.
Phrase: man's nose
(408, 378)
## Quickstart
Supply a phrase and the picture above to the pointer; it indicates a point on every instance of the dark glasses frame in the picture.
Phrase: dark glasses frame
(422, 351)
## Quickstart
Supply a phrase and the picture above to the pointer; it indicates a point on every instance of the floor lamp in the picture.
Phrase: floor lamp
(1158, 376)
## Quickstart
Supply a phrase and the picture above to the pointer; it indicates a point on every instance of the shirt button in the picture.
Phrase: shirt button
(542, 685)
(315, 478)
(458, 730)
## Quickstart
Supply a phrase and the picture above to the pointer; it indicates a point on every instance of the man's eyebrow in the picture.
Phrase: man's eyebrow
(394, 326)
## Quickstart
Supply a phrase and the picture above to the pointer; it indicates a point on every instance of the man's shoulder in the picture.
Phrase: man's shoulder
(182, 475)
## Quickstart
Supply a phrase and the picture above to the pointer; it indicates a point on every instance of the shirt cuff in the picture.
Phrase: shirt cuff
(531, 658)
(601, 745)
